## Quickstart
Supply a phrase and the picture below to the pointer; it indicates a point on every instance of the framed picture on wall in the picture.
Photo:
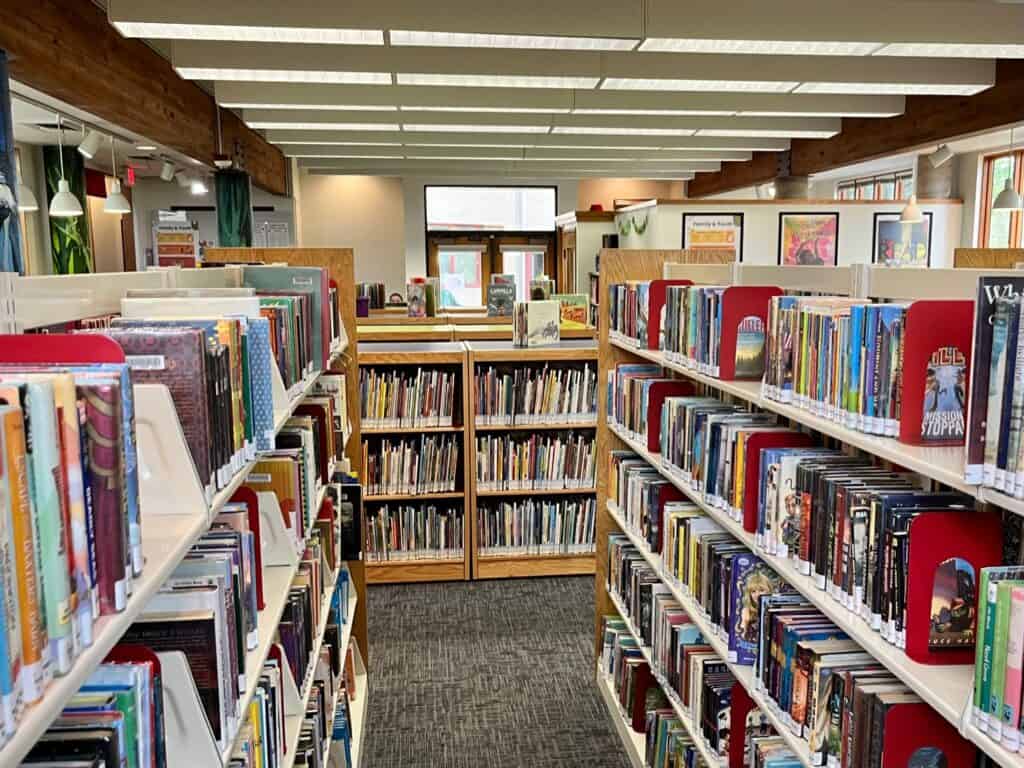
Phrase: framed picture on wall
(720, 232)
(809, 239)
(901, 245)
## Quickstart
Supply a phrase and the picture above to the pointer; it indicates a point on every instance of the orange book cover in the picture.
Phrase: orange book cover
(230, 335)
(34, 642)
(280, 476)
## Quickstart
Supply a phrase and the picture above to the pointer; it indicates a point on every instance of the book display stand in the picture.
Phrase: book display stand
(938, 718)
(176, 509)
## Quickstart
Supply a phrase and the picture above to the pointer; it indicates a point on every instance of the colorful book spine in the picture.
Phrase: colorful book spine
(1014, 664)
(10, 626)
(1002, 626)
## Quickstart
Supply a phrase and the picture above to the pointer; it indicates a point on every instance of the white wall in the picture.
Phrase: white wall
(150, 195)
(761, 227)
(36, 246)
(969, 185)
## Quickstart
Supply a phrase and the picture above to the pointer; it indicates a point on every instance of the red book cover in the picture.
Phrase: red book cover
(947, 551)
(746, 304)
(756, 442)
(935, 372)
(915, 734)
(248, 497)
(655, 398)
(638, 717)
(69, 349)
(666, 493)
(655, 302)
(741, 706)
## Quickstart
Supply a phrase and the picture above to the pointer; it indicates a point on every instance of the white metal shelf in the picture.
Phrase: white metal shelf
(357, 722)
(743, 674)
(635, 744)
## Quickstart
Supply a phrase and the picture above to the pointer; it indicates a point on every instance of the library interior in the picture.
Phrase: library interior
(403, 385)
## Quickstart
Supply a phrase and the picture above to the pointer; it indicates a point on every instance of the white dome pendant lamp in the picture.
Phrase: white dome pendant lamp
(1008, 199)
(116, 201)
(64, 204)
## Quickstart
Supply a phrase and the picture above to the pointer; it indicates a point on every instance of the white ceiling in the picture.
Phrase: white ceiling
(661, 87)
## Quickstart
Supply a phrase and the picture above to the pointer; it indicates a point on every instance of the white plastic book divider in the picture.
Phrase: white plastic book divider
(832, 281)
(279, 548)
(189, 738)
(891, 284)
(702, 274)
(49, 299)
(7, 318)
(207, 277)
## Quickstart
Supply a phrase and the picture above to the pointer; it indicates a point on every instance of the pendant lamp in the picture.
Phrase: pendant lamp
(1008, 199)
(911, 214)
(64, 204)
(116, 201)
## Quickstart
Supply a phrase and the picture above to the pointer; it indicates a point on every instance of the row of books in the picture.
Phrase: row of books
(997, 388)
(536, 527)
(535, 394)
(427, 464)
(398, 397)
(70, 530)
(375, 294)
(535, 462)
(414, 532)
(845, 522)
(692, 332)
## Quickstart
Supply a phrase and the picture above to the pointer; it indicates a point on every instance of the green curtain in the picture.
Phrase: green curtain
(69, 238)
(234, 209)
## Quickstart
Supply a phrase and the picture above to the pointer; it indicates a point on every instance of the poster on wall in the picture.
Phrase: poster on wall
(10, 235)
(721, 232)
(902, 245)
(808, 239)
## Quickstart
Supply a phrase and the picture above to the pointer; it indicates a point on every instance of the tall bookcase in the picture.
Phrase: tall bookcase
(947, 689)
(176, 512)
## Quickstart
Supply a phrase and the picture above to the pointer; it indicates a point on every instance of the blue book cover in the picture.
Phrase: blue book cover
(870, 361)
(750, 580)
(853, 392)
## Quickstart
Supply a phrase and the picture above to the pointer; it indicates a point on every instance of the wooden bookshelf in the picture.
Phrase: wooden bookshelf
(426, 354)
(500, 566)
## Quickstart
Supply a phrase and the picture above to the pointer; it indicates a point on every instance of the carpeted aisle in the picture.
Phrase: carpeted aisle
(487, 674)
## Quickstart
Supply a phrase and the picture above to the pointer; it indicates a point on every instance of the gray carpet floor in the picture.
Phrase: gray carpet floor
(494, 674)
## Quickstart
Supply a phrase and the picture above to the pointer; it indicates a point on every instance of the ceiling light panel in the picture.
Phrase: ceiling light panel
(843, 113)
(456, 128)
(466, 146)
(796, 133)
(674, 84)
(954, 50)
(905, 89)
(657, 112)
(545, 42)
(624, 131)
(317, 107)
(284, 75)
(772, 47)
(340, 143)
(348, 157)
(240, 33)
(501, 110)
(496, 81)
(463, 157)
(269, 126)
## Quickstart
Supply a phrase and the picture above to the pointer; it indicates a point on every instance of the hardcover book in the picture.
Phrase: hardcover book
(536, 323)
(500, 299)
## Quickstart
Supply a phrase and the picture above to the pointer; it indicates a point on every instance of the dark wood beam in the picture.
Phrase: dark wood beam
(926, 120)
(68, 50)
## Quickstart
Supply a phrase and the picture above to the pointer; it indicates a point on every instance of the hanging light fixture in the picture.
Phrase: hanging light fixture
(198, 186)
(26, 199)
(911, 214)
(90, 144)
(167, 170)
(64, 204)
(1009, 198)
(116, 201)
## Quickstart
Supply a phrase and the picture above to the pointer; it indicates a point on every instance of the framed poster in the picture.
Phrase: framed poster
(809, 239)
(714, 232)
(901, 245)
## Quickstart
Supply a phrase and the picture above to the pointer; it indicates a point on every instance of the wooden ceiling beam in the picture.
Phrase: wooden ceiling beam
(68, 50)
(926, 120)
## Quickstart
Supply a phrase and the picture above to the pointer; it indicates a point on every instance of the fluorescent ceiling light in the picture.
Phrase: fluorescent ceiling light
(454, 128)
(524, 110)
(497, 81)
(474, 40)
(955, 50)
(656, 112)
(343, 143)
(145, 148)
(623, 131)
(510, 145)
(462, 157)
(908, 89)
(796, 133)
(672, 84)
(241, 33)
(351, 157)
(774, 47)
(841, 113)
(347, 107)
(324, 126)
(284, 75)
(588, 146)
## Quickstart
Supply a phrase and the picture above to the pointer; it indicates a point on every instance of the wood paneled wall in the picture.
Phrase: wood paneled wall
(990, 258)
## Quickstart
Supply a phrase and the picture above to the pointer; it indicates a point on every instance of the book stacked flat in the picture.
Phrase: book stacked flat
(534, 462)
(536, 527)
(535, 394)
(414, 532)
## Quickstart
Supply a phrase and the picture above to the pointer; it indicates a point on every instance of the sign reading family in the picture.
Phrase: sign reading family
(808, 239)
(719, 232)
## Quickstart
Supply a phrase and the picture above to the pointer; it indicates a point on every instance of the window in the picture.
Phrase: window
(461, 271)
(526, 264)
(890, 186)
(1000, 229)
(490, 209)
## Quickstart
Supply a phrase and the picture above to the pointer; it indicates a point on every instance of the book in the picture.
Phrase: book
(416, 299)
(536, 323)
(501, 299)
